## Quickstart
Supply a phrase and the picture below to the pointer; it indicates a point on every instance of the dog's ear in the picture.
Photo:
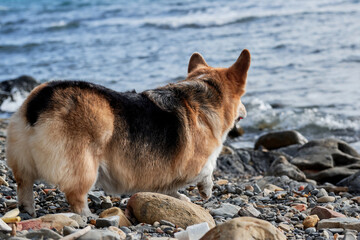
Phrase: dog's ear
(196, 61)
(241, 66)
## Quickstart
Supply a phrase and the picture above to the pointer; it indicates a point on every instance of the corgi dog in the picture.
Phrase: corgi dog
(76, 134)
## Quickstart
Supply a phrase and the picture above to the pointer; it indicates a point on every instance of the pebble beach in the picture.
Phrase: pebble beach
(246, 189)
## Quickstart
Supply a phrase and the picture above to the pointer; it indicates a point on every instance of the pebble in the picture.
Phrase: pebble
(326, 199)
(286, 227)
(106, 203)
(249, 211)
(164, 222)
(226, 210)
(107, 222)
(311, 221)
(322, 193)
(310, 230)
(43, 234)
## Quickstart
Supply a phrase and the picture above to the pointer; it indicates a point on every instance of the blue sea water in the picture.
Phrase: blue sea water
(305, 71)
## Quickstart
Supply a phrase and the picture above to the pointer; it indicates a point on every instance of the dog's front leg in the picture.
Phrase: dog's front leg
(205, 187)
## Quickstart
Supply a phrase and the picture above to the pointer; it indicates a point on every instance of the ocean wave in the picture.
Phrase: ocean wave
(214, 17)
(176, 22)
(261, 116)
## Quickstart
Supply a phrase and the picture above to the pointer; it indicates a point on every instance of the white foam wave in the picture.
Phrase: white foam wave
(262, 116)
(11, 104)
(61, 23)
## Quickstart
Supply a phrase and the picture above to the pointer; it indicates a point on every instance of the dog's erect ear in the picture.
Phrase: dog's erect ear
(241, 66)
(196, 61)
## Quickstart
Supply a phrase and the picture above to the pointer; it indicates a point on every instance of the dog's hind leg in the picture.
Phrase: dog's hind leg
(25, 194)
(78, 183)
(19, 159)
(24, 180)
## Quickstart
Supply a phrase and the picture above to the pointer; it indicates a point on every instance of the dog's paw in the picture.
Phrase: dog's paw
(85, 212)
(28, 209)
(205, 191)
(180, 196)
(205, 194)
(183, 197)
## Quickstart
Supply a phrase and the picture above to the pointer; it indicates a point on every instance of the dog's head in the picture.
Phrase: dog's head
(232, 80)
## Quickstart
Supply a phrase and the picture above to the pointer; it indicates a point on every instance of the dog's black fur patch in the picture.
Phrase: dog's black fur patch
(147, 122)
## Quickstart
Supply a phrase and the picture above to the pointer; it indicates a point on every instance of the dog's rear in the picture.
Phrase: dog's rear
(59, 139)
(74, 133)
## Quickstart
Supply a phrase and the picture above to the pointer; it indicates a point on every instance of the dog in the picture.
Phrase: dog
(74, 134)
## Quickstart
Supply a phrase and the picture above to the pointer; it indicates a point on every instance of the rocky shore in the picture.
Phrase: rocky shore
(286, 187)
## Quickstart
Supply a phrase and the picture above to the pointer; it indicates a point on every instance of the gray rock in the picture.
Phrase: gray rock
(346, 223)
(281, 167)
(106, 203)
(164, 222)
(257, 189)
(23, 84)
(350, 235)
(332, 175)
(332, 158)
(336, 230)
(94, 199)
(322, 193)
(332, 152)
(107, 222)
(43, 234)
(76, 217)
(290, 151)
(133, 236)
(146, 228)
(247, 161)
(100, 234)
(249, 211)
(126, 230)
(225, 210)
(310, 230)
(353, 182)
(68, 230)
(281, 139)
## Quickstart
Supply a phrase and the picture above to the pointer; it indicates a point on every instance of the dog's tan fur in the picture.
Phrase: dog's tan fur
(81, 137)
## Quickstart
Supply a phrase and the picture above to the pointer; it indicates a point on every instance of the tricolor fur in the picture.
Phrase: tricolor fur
(76, 134)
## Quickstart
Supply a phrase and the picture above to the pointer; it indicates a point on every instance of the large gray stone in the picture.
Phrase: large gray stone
(352, 182)
(332, 175)
(281, 166)
(275, 140)
(327, 160)
(43, 234)
(23, 85)
(225, 210)
(346, 223)
(246, 161)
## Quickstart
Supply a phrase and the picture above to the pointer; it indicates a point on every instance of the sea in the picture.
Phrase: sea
(304, 76)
